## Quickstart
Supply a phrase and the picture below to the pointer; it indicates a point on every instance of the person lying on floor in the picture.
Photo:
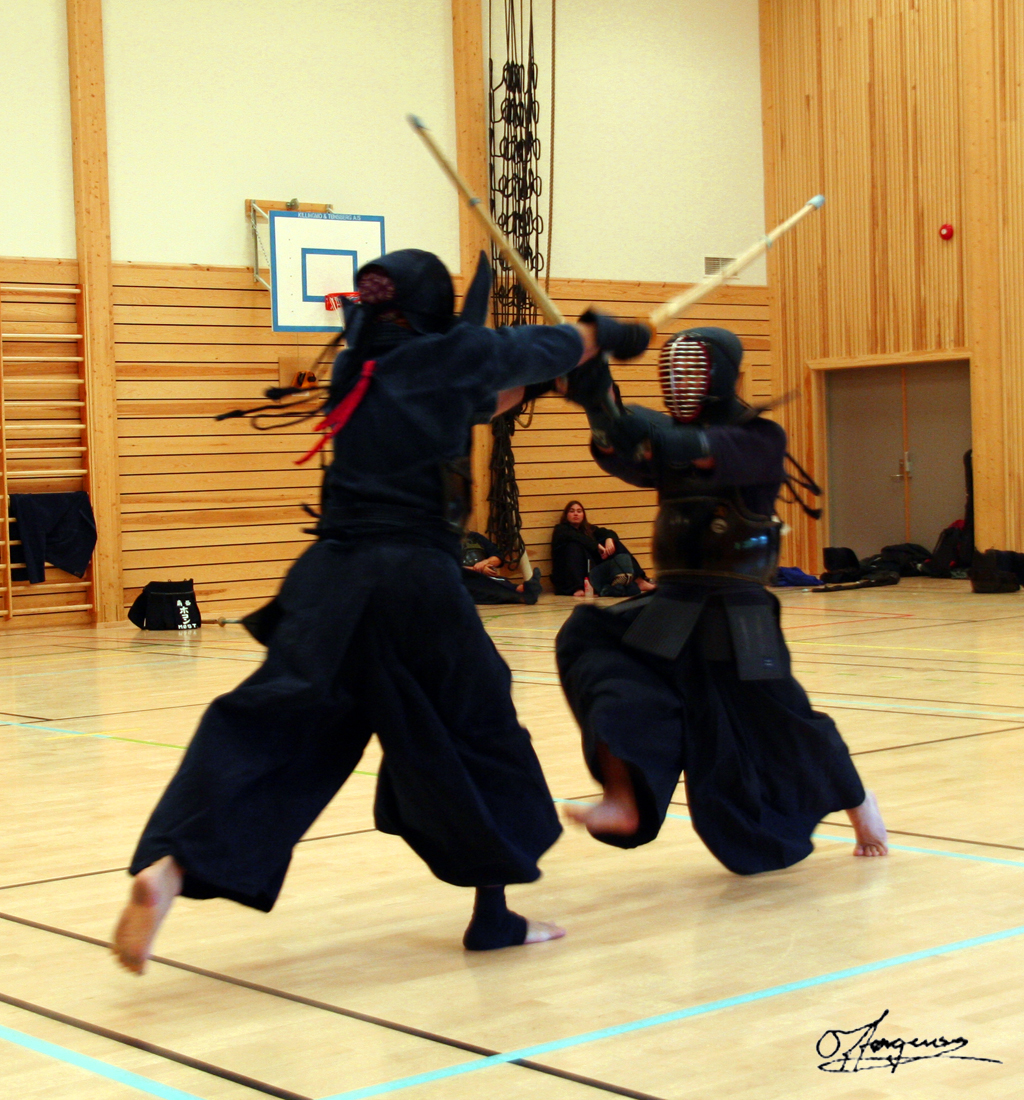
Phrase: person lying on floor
(481, 561)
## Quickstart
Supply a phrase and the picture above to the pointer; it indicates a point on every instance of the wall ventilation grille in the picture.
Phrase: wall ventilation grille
(714, 264)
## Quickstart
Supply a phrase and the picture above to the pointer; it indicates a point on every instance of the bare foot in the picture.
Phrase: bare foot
(152, 894)
(645, 585)
(610, 815)
(540, 931)
(588, 588)
(869, 828)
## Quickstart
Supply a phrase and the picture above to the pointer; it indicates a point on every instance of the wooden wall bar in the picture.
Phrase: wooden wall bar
(44, 425)
(905, 113)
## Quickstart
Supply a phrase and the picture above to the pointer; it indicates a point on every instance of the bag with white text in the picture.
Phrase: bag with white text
(166, 605)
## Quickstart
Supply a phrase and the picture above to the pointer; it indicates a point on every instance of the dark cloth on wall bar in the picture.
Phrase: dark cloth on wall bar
(58, 528)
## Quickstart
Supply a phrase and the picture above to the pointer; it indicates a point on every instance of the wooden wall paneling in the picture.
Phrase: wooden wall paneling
(863, 101)
(92, 231)
(215, 501)
(220, 502)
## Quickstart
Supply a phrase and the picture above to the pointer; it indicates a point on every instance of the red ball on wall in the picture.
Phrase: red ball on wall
(946, 232)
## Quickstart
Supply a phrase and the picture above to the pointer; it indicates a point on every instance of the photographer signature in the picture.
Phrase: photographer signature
(858, 1049)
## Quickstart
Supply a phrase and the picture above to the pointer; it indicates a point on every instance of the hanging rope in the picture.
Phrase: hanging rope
(551, 151)
(515, 190)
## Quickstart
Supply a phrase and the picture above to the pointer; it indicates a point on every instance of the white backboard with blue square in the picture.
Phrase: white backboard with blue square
(313, 254)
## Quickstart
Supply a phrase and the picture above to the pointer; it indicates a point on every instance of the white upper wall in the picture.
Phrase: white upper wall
(36, 192)
(212, 102)
(658, 154)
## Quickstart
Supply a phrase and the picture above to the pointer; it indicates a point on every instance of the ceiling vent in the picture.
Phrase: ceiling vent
(714, 264)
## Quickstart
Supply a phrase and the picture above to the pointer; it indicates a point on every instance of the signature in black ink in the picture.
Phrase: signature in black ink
(858, 1049)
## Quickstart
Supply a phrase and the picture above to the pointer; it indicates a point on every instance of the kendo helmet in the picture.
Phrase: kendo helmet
(699, 369)
(411, 282)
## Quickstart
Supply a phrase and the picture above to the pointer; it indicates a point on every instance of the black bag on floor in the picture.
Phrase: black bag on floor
(166, 605)
(841, 565)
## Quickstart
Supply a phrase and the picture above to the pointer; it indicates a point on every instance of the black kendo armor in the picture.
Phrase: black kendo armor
(714, 534)
(698, 530)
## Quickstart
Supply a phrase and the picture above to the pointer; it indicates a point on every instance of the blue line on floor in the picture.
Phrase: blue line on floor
(93, 1065)
(83, 733)
(672, 1017)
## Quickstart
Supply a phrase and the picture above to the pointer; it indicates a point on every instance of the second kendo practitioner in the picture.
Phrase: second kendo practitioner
(695, 679)
(374, 632)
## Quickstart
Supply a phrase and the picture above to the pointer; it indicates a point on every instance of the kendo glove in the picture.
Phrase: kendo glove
(624, 339)
(590, 383)
(613, 427)
(627, 434)
(537, 389)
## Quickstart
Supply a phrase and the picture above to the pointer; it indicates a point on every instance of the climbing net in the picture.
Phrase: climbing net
(515, 190)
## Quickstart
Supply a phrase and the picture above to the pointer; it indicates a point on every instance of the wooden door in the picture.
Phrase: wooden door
(865, 452)
(938, 402)
(896, 440)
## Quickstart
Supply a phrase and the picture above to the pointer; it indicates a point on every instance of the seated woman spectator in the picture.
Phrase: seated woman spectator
(586, 559)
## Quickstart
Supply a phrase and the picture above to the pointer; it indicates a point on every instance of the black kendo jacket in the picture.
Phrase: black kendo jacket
(387, 477)
(747, 456)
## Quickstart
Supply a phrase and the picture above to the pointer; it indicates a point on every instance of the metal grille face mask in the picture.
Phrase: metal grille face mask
(685, 371)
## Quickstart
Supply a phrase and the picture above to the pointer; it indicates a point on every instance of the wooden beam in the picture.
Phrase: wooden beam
(891, 359)
(984, 306)
(470, 123)
(471, 157)
(92, 231)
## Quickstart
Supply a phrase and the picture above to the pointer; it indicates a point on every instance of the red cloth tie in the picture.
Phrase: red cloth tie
(339, 416)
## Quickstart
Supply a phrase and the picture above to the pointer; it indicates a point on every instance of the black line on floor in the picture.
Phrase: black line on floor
(935, 741)
(927, 624)
(932, 836)
(154, 650)
(114, 870)
(62, 878)
(911, 700)
(152, 1048)
(137, 710)
(351, 1014)
(843, 660)
(334, 836)
(904, 832)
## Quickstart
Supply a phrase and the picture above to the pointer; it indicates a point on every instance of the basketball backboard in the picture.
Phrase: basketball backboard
(314, 253)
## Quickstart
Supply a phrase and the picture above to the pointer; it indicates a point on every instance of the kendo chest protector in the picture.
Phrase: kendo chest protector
(166, 605)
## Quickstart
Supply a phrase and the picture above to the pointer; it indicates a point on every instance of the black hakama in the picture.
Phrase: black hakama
(371, 638)
(761, 766)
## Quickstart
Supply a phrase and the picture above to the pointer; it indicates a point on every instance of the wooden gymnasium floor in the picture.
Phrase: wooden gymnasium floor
(677, 979)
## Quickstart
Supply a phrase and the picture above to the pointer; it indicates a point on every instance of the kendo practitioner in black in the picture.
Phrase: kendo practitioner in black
(481, 560)
(374, 632)
(695, 678)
